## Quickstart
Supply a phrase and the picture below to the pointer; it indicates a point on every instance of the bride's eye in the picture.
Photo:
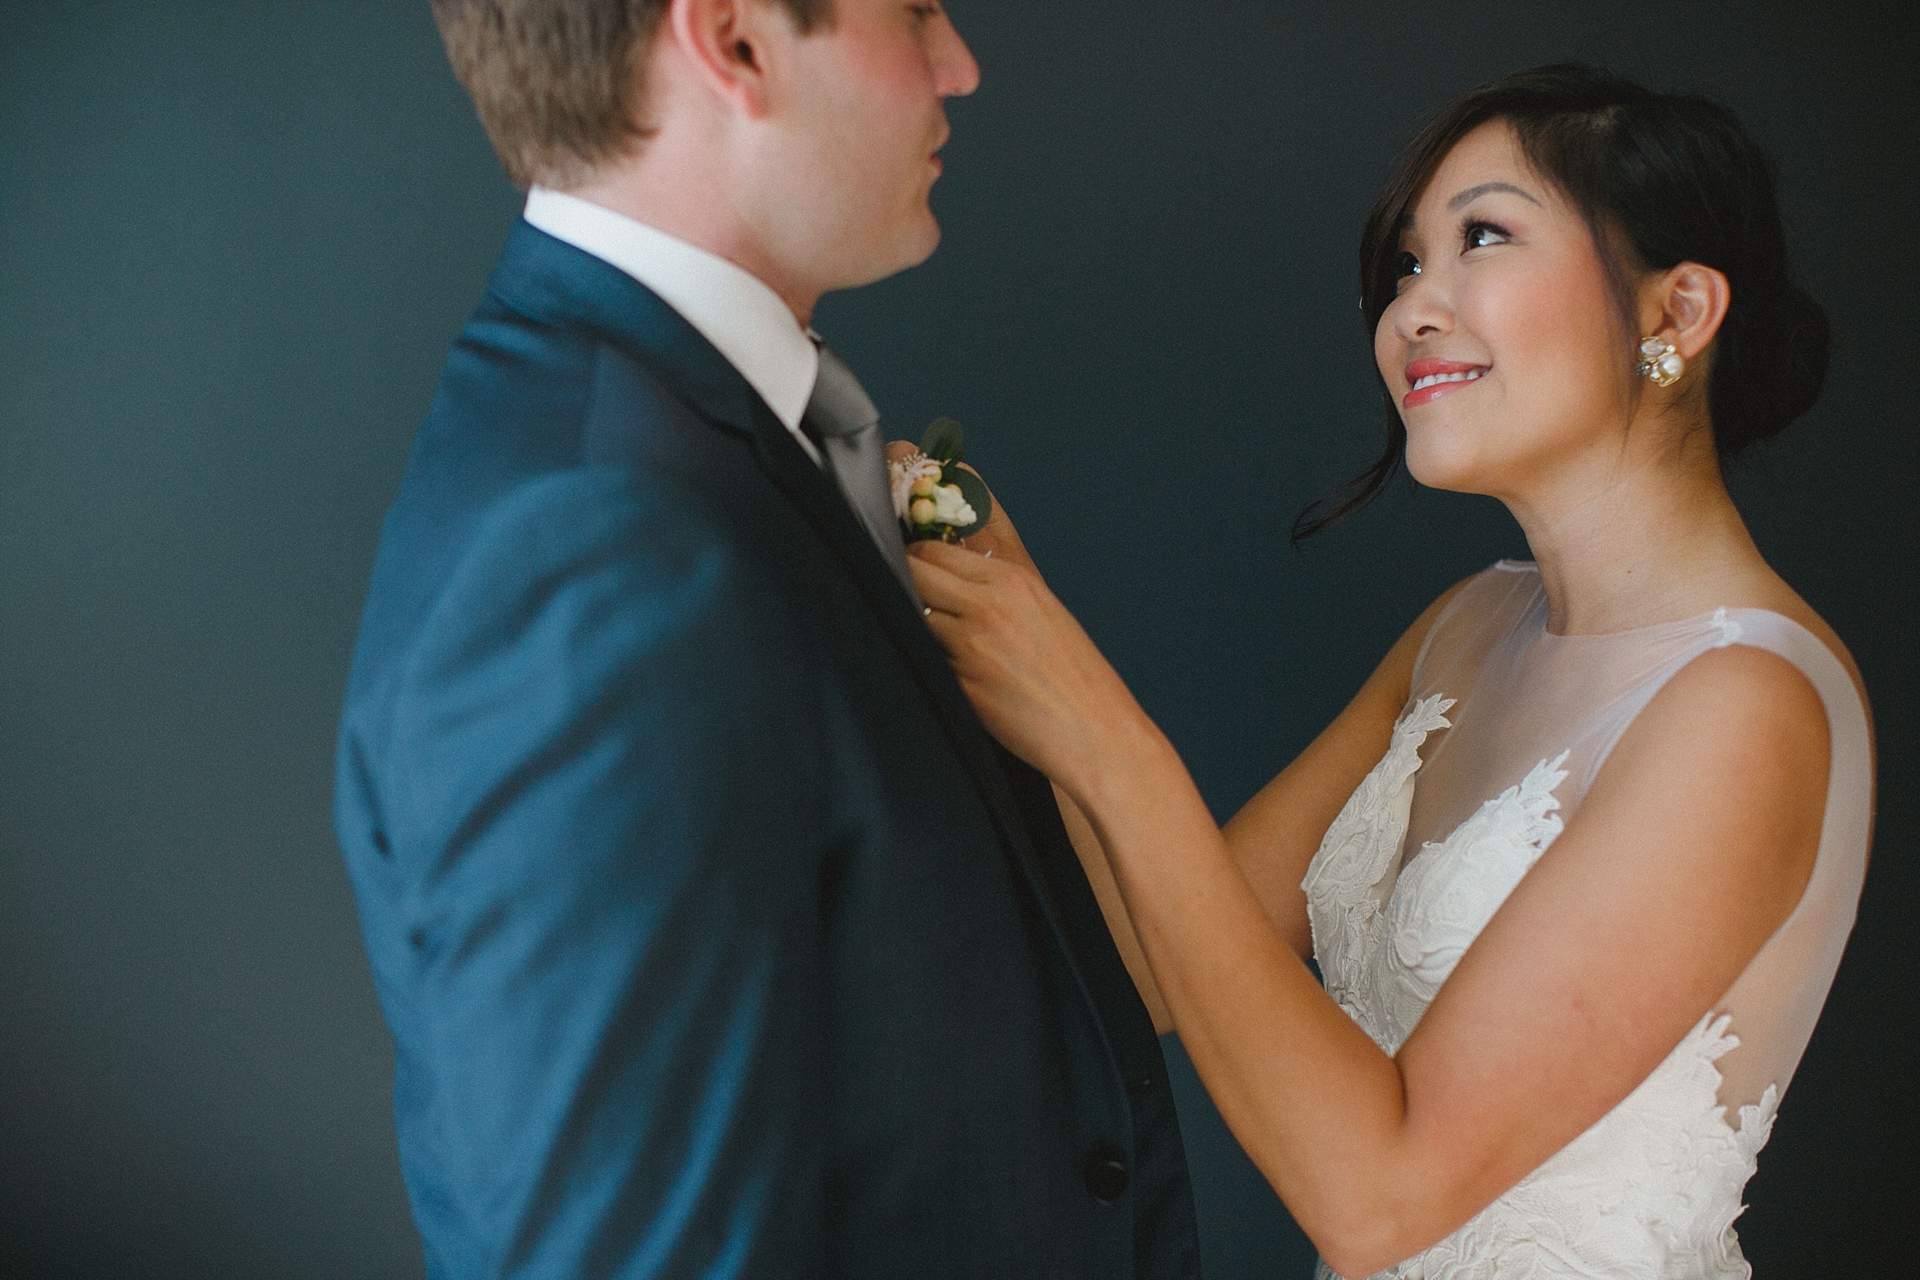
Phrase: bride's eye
(1408, 266)
(1478, 235)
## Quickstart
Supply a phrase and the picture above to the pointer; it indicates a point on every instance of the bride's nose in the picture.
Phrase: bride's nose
(1421, 312)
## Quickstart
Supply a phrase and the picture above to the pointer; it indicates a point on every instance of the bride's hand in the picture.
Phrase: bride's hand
(1033, 675)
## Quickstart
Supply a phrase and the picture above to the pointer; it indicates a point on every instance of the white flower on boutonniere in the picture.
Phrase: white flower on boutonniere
(950, 507)
(933, 495)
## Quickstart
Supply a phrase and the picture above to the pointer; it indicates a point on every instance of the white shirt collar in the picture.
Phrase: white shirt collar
(732, 308)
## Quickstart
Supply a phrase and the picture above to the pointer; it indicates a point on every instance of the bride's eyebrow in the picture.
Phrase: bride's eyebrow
(1474, 193)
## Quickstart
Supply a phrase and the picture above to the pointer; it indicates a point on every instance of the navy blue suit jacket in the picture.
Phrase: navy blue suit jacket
(716, 936)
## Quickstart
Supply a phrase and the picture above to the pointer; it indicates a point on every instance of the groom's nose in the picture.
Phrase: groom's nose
(955, 73)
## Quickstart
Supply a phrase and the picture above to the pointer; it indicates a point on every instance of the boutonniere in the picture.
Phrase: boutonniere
(934, 496)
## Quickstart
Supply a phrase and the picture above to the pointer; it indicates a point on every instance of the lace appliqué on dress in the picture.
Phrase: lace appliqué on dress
(1651, 1191)
(1446, 894)
(1345, 881)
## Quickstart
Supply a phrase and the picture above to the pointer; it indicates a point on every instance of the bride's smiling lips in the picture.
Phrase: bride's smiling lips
(1431, 379)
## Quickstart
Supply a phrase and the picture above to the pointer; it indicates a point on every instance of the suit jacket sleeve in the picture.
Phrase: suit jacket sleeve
(611, 795)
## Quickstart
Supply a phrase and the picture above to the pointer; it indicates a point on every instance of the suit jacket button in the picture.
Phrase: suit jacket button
(1107, 1175)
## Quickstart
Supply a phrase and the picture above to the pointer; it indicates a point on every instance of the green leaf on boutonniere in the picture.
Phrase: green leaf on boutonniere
(943, 441)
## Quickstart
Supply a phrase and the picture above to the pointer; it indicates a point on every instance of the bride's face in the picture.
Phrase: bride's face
(1503, 348)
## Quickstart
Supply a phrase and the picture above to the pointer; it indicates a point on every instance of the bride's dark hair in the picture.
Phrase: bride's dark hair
(1661, 179)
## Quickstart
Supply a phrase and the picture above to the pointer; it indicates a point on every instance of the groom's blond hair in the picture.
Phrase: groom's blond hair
(557, 83)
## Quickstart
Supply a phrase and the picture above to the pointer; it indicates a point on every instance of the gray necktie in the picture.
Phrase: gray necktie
(856, 457)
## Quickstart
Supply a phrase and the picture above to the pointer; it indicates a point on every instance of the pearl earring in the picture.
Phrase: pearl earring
(1659, 363)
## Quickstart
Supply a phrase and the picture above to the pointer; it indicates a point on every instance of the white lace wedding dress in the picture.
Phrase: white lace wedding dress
(1505, 730)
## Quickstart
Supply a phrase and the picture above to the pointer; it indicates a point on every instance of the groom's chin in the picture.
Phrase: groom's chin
(929, 241)
(907, 250)
(917, 238)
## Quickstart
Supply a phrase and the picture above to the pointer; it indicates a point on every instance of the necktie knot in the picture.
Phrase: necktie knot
(840, 406)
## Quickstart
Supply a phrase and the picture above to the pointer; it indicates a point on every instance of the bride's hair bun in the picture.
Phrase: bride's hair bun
(1769, 369)
(1662, 179)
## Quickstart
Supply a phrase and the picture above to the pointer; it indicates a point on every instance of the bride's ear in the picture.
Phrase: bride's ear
(1691, 302)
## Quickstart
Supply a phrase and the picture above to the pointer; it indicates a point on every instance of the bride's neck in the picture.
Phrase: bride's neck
(1643, 540)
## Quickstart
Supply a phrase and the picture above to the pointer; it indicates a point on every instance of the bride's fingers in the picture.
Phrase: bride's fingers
(898, 449)
(947, 630)
(943, 590)
(955, 636)
(959, 561)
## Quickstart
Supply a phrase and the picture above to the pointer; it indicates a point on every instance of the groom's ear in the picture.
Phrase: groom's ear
(729, 45)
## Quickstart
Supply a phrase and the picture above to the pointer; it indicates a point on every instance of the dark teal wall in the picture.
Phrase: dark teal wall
(234, 242)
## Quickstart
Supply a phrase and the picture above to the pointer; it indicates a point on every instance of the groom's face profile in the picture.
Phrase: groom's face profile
(800, 138)
(852, 140)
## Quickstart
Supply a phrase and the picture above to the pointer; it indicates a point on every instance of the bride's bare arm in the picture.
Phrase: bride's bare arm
(1106, 891)
(1689, 850)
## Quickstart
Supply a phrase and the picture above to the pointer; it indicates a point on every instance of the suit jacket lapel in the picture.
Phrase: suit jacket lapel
(548, 279)
(827, 510)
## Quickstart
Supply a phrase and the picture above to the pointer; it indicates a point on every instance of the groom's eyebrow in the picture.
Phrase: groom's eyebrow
(1486, 188)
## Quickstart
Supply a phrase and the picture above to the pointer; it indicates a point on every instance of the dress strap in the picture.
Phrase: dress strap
(1849, 812)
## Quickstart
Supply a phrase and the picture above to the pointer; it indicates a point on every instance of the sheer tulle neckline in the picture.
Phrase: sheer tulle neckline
(1650, 631)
